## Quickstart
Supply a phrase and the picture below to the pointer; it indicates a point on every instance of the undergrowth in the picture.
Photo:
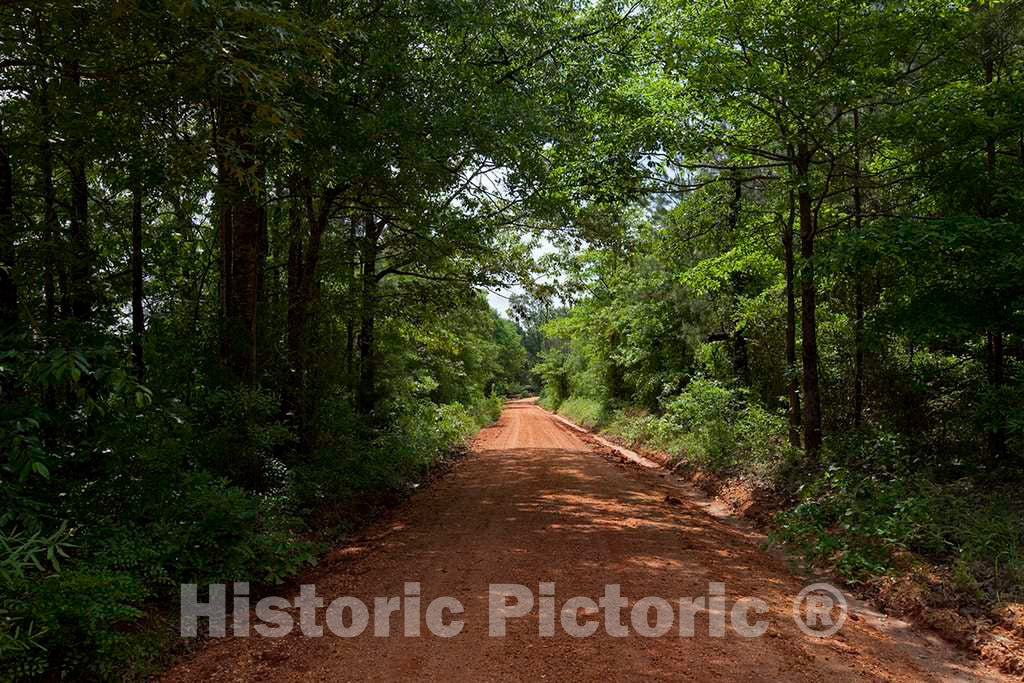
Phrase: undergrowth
(93, 600)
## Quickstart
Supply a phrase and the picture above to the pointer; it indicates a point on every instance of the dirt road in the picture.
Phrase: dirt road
(533, 503)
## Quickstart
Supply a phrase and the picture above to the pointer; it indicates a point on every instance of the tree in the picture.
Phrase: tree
(769, 92)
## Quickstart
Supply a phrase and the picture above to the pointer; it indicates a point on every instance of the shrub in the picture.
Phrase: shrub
(486, 410)
(24, 559)
(246, 422)
(85, 613)
(82, 620)
(586, 412)
(549, 400)
(710, 426)
(635, 426)
(859, 522)
(704, 416)
(417, 435)
(160, 491)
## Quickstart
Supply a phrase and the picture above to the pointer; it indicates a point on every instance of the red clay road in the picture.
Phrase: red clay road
(536, 502)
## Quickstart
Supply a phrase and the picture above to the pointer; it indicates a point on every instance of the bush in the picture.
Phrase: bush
(549, 400)
(873, 501)
(24, 558)
(586, 412)
(246, 422)
(486, 410)
(81, 617)
(417, 435)
(711, 427)
(858, 520)
(160, 490)
(87, 614)
(763, 442)
(705, 417)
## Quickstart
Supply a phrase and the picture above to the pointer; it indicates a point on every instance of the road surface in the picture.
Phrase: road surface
(536, 502)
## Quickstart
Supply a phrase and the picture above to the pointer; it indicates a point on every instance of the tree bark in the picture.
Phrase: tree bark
(80, 293)
(350, 326)
(997, 437)
(808, 311)
(247, 260)
(858, 295)
(138, 315)
(303, 285)
(792, 381)
(990, 145)
(243, 241)
(366, 390)
(858, 354)
(738, 342)
(225, 235)
(8, 285)
(295, 396)
(49, 205)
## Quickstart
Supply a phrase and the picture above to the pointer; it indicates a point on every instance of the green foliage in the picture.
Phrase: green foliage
(97, 388)
(703, 415)
(87, 614)
(24, 558)
(554, 378)
(860, 522)
(215, 488)
(548, 402)
(241, 280)
(586, 412)
(419, 436)
(244, 421)
(301, 203)
(928, 299)
(710, 427)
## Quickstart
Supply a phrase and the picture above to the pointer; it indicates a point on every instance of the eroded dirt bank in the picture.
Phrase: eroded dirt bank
(537, 503)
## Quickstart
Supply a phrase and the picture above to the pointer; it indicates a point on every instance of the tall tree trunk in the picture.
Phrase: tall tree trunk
(792, 373)
(62, 256)
(997, 437)
(49, 205)
(225, 238)
(858, 354)
(350, 346)
(303, 287)
(247, 261)
(8, 286)
(243, 242)
(858, 295)
(138, 315)
(996, 357)
(51, 229)
(350, 327)
(295, 395)
(808, 310)
(80, 294)
(990, 143)
(738, 343)
(366, 390)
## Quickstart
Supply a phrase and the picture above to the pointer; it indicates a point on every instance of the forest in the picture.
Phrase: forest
(246, 248)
